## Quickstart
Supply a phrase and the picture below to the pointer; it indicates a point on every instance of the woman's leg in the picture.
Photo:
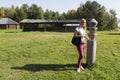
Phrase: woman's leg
(80, 49)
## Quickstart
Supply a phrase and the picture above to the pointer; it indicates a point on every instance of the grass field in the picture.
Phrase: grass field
(51, 56)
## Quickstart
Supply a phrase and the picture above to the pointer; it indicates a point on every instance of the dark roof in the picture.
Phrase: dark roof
(7, 21)
(38, 21)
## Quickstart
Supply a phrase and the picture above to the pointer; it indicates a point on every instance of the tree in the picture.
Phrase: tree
(41, 13)
(112, 20)
(2, 13)
(71, 14)
(55, 15)
(48, 14)
(24, 8)
(103, 19)
(35, 12)
(62, 16)
(9, 12)
(19, 14)
(106, 20)
(80, 12)
(91, 9)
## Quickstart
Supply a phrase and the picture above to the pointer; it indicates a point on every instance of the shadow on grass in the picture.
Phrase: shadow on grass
(52, 67)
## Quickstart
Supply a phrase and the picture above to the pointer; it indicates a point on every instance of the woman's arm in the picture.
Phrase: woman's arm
(87, 37)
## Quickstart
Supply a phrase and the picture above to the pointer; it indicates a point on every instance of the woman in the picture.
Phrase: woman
(81, 32)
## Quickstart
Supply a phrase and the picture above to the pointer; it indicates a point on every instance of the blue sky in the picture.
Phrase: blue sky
(62, 5)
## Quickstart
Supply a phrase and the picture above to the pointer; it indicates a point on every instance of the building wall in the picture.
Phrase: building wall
(57, 28)
(14, 26)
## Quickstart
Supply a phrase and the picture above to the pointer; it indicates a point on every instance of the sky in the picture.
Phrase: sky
(62, 5)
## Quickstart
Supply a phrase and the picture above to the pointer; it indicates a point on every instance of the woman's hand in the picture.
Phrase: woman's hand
(87, 37)
(76, 34)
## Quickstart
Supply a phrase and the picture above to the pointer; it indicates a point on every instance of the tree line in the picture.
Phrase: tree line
(107, 20)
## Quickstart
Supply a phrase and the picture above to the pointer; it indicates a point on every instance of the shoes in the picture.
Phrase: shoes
(78, 70)
(82, 68)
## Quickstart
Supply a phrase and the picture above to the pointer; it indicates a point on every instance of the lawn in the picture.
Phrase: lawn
(51, 56)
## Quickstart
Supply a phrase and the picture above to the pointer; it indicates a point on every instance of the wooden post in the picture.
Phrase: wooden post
(45, 28)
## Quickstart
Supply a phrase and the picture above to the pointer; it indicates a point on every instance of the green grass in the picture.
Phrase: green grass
(51, 56)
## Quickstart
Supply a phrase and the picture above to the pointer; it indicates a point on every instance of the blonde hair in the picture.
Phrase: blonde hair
(84, 26)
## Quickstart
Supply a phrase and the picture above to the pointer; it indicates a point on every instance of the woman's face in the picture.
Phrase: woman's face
(83, 22)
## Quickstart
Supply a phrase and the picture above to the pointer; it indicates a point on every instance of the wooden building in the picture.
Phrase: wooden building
(58, 25)
(7, 23)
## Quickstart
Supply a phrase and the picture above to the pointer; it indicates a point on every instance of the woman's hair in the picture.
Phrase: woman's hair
(83, 20)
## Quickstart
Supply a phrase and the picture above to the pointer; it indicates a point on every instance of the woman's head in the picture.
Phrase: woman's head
(83, 23)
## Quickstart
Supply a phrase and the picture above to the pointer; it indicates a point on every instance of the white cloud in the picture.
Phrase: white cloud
(118, 14)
